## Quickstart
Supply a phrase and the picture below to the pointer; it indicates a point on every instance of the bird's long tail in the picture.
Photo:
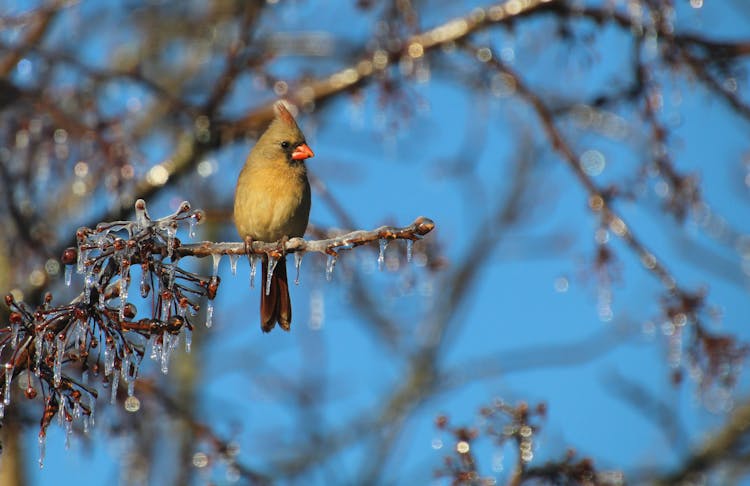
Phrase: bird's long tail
(275, 305)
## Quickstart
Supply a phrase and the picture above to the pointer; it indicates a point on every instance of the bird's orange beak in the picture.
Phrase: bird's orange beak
(302, 152)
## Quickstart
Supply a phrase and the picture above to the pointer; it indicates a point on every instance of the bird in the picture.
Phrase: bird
(272, 203)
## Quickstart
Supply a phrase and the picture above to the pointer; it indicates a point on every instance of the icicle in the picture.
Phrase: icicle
(109, 359)
(123, 299)
(167, 345)
(171, 230)
(85, 377)
(191, 227)
(188, 339)
(253, 268)
(38, 345)
(165, 308)
(8, 379)
(90, 416)
(68, 274)
(57, 367)
(77, 410)
(2, 410)
(14, 335)
(81, 261)
(209, 313)
(155, 348)
(68, 433)
(233, 263)
(383, 244)
(297, 265)
(145, 287)
(42, 443)
(170, 276)
(330, 263)
(115, 384)
(217, 259)
(409, 250)
(271, 267)
(88, 283)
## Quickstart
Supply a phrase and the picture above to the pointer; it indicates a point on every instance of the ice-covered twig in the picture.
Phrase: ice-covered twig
(415, 231)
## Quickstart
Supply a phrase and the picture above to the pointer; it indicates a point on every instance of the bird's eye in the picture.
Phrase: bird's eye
(285, 144)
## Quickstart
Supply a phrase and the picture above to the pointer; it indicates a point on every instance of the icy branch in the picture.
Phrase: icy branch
(415, 231)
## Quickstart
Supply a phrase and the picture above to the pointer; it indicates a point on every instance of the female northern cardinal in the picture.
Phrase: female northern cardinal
(272, 202)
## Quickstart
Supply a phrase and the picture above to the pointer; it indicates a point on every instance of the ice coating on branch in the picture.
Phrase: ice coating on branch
(141, 216)
(57, 367)
(210, 313)
(383, 244)
(271, 267)
(169, 343)
(330, 263)
(233, 263)
(144, 286)
(171, 230)
(88, 283)
(14, 335)
(253, 269)
(8, 380)
(68, 275)
(297, 265)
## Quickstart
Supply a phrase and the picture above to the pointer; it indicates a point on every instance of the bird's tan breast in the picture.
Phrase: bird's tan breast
(272, 201)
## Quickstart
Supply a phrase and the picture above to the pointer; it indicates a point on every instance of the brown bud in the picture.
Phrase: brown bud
(69, 256)
(9, 300)
(213, 286)
(129, 310)
(15, 317)
(441, 421)
(30, 392)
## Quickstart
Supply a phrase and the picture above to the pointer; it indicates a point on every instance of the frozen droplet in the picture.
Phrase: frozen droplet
(68, 274)
(109, 358)
(217, 259)
(383, 244)
(330, 263)
(123, 299)
(42, 444)
(253, 269)
(297, 265)
(409, 250)
(115, 384)
(271, 267)
(233, 263)
(209, 313)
